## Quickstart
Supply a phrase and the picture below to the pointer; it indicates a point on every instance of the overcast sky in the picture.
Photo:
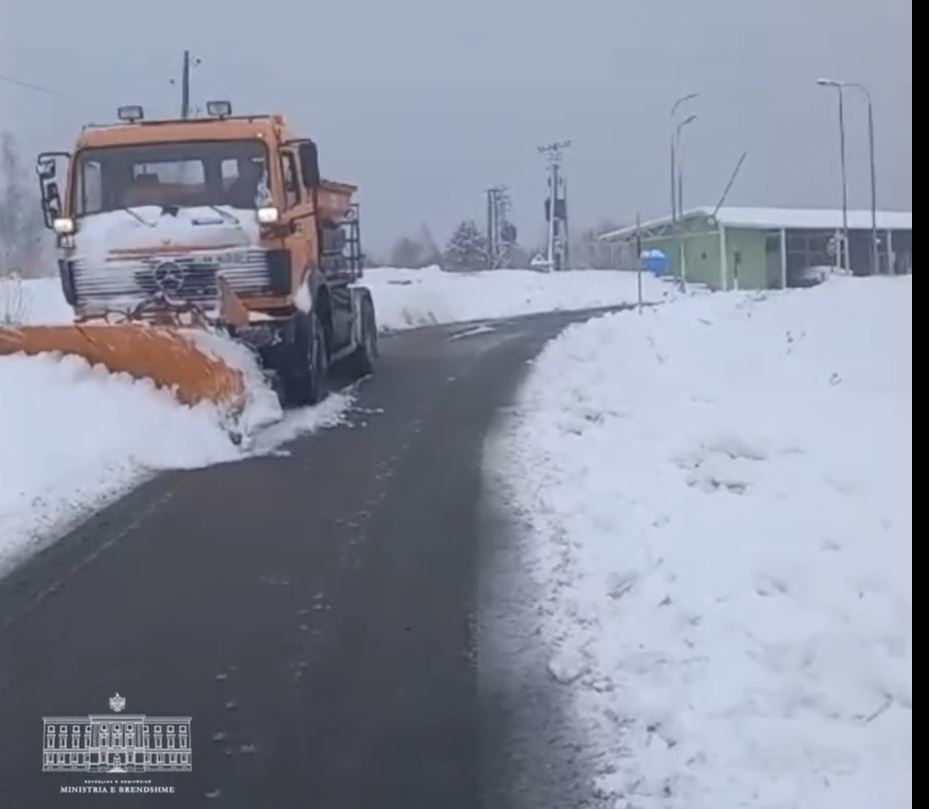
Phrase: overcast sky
(424, 103)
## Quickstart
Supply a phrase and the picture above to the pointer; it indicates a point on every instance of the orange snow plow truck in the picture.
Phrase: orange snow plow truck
(170, 231)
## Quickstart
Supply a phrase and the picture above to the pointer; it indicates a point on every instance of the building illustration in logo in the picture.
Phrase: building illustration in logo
(117, 742)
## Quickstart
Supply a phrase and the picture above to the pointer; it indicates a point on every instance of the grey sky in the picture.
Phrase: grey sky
(425, 103)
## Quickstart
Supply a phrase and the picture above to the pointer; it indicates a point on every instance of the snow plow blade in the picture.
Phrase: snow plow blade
(157, 353)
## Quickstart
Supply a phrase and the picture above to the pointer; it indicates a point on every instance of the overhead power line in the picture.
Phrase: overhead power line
(29, 85)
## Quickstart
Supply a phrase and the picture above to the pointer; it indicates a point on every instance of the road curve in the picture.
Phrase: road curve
(314, 613)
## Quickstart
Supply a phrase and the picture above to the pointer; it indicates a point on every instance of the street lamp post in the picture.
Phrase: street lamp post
(674, 173)
(839, 87)
(680, 163)
(676, 141)
(875, 254)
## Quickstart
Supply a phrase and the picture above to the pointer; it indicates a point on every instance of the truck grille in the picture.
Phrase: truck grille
(190, 277)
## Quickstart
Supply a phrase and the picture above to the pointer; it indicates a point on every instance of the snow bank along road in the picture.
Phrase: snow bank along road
(314, 613)
(714, 503)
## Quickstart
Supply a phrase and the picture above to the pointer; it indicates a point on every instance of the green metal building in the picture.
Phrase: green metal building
(772, 248)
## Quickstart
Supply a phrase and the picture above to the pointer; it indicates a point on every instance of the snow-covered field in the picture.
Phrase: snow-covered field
(72, 437)
(409, 298)
(38, 300)
(717, 498)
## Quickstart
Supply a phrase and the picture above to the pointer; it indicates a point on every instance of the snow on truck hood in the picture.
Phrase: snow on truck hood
(151, 227)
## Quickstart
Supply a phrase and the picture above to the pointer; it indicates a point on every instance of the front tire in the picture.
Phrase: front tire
(308, 382)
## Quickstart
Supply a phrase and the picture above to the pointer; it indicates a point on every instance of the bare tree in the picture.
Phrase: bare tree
(431, 252)
(414, 253)
(22, 243)
(406, 253)
(589, 252)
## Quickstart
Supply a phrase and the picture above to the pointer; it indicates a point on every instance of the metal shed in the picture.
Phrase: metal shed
(771, 248)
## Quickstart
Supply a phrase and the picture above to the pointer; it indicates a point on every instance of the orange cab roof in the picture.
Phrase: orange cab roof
(266, 127)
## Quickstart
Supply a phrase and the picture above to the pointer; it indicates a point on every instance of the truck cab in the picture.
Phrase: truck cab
(224, 218)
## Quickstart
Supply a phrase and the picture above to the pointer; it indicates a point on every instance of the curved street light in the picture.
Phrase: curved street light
(680, 163)
(843, 248)
(840, 86)
(875, 259)
(674, 175)
(679, 179)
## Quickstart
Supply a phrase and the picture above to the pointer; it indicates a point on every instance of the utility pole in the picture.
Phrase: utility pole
(557, 234)
(566, 233)
(639, 258)
(187, 67)
(553, 218)
(185, 86)
(500, 233)
(491, 227)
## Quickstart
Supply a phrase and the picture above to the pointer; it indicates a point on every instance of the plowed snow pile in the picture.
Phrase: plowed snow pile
(73, 437)
(409, 298)
(717, 497)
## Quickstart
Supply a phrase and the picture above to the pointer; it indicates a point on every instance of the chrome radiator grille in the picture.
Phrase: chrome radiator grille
(188, 277)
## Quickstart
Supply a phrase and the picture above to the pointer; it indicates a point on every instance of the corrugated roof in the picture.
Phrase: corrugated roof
(790, 218)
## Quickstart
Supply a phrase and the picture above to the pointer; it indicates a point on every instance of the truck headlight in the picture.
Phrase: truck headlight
(268, 216)
(63, 226)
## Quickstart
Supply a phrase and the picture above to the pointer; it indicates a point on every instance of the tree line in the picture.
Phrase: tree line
(467, 250)
(24, 246)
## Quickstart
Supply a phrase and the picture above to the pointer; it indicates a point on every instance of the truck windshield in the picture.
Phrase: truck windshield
(232, 173)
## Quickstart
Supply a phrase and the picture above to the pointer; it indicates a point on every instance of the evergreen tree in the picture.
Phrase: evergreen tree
(467, 249)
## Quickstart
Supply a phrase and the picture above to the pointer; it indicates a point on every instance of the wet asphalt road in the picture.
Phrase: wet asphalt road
(315, 614)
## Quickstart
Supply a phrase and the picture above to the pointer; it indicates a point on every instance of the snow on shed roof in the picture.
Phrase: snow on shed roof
(790, 218)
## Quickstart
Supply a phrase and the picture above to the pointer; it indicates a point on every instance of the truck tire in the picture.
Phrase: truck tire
(308, 380)
(362, 360)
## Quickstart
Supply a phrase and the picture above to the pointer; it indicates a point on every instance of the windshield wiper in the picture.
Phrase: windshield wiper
(226, 215)
(134, 215)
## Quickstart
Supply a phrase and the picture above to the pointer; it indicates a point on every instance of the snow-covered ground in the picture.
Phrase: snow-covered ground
(717, 501)
(37, 300)
(72, 437)
(409, 298)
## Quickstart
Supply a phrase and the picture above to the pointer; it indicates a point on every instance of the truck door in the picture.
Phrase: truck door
(298, 216)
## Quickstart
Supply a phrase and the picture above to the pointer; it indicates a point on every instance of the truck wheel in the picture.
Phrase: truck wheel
(308, 382)
(362, 362)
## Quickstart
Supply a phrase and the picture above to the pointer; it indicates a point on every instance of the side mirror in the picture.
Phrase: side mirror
(309, 164)
(47, 170)
(51, 203)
